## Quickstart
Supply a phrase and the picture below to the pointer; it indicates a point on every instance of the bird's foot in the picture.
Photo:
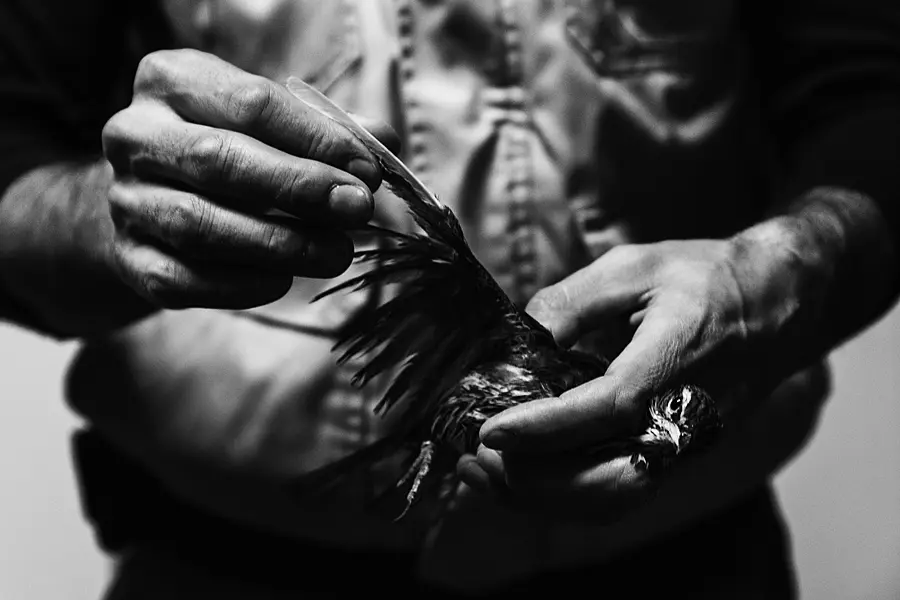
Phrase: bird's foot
(417, 473)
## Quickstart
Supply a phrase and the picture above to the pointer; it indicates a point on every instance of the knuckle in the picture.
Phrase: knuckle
(329, 143)
(290, 185)
(121, 196)
(550, 299)
(641, 258)
(184, 222)
(253, 105)
(117, 139)
(152, 284)
(559, 310)
(211, 158)
(646, 259)
(278, 242)
(116, 128)
(162, 283)
(700, 273)
(624, 254)
(121, 201)
(203, 213)
(155, 69)
(693, 289)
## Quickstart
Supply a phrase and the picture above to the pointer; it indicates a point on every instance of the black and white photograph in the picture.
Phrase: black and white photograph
(442, 299)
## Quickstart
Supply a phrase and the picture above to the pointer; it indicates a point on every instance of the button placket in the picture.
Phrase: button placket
(507, 105)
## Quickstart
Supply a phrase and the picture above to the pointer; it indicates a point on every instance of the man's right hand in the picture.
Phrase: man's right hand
(201, 158)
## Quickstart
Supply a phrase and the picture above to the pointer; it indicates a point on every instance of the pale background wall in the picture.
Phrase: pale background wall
(842, 496)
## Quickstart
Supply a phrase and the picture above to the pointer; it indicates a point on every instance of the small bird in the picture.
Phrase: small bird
(465, 352)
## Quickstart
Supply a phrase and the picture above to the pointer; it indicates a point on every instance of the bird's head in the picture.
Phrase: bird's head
(683, 417)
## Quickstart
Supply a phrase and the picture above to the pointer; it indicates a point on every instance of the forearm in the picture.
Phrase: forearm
(818, 272)
(829, 73)
(56, 265)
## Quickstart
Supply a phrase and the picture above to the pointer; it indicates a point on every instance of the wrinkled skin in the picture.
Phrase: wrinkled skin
(701, 310)
(680, 293)
(201, 158)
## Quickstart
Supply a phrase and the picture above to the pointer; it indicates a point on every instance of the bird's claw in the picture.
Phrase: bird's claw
(417, 472)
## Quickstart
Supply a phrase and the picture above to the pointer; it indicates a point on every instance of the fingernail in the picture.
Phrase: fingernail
(351, 202)
(499, 439)
(365, 170)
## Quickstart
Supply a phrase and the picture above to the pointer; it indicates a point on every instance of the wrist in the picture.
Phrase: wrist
(784, 271)
(816, 274)
(56, 256)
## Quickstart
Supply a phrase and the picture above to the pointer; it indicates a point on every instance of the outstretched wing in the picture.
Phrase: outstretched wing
(447, 315)
(448, 306)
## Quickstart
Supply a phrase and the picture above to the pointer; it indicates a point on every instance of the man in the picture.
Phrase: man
(712, 178)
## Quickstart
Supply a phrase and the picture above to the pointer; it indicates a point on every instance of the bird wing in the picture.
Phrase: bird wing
(447, 315)
(447, 301)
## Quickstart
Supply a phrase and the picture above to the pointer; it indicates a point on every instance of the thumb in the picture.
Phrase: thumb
(597, 411)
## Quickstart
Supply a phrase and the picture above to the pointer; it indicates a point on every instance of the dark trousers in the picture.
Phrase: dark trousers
(170, 552)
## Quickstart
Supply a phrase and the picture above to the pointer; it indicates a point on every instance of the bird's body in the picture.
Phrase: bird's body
(528, 370)
(462, 350)
(533, 366)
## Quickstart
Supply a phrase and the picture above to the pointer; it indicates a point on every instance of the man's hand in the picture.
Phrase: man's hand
(201, 158)
(701, 311)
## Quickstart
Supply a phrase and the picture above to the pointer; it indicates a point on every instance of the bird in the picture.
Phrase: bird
(462, 351)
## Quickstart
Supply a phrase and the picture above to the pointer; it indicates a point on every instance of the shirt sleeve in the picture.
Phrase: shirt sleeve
(64, 69)
(830, 77)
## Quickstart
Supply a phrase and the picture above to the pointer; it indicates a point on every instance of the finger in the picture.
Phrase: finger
(610, 486)
(251, 176)
(602, 409)
(569, 484)
(490, 464)
(209, 91)
(173, 284)
(491, 461)
(610, 286)
(473, 475)
(188, 225)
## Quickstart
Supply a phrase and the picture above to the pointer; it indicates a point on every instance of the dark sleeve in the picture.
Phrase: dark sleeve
(64, 70)
(830, 76)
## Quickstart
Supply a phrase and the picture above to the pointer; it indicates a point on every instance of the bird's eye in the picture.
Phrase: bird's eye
(675, 405)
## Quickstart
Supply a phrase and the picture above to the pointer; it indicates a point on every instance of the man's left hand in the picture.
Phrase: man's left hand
(705, 311)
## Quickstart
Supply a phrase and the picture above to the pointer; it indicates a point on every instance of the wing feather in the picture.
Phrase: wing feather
(447, 314)
(426, 209)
